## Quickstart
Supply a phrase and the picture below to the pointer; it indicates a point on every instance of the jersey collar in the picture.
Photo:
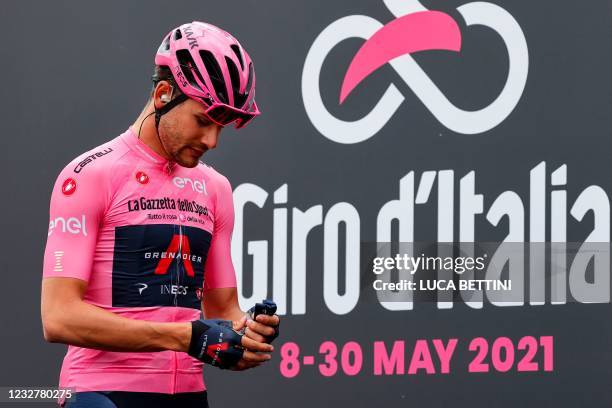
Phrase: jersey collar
(145, 151)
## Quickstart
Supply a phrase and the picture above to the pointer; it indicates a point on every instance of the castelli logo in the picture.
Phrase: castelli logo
(142, 177)
(69, 186)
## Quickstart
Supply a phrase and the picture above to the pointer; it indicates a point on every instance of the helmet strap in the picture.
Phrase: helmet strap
(162, 111)
(167, 107)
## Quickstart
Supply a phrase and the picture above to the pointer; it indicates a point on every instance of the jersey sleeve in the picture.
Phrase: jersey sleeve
(78, 203)
(219, 269)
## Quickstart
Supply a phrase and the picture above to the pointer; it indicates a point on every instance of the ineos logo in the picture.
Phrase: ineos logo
(196, 185)
(174, 290)
(415, 29)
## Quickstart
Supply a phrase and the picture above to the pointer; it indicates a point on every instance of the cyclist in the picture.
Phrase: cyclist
(139, 241)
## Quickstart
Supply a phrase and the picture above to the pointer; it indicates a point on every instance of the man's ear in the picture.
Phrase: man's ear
(162, 94)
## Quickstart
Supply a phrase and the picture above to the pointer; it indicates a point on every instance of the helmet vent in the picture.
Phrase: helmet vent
(188, 67)
(215, 74)
(236, 50)
(250, 80)
(239, 98)
(177, 34)
(165, 45)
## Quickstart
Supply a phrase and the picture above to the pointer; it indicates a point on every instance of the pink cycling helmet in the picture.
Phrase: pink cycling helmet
(210, 66)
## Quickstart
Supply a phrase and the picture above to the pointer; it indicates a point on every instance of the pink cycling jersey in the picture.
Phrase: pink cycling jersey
(149, 237)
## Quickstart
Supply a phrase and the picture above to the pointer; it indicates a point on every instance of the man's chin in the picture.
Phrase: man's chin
(188, 163)
(187, 159)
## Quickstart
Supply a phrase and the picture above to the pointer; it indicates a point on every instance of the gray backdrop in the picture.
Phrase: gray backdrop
(77, 74)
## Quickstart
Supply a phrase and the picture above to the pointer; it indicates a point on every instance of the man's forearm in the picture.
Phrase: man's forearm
(85, 325)
(233, 314)
(222, 303)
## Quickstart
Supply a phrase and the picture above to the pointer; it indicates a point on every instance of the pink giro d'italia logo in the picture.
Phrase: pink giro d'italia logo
(414, 29)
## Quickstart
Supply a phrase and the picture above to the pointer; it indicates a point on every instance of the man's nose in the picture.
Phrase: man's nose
(211, 136)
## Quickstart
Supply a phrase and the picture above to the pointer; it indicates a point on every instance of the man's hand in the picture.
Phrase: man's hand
(219, 343)
(264, 329)
(256, 352)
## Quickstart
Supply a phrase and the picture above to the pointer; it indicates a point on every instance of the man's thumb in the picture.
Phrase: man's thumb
(239, 324)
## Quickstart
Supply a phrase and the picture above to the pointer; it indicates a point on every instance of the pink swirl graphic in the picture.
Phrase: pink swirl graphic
(421, 31)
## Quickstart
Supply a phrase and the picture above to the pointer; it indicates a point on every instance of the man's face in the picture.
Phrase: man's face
(187, 134)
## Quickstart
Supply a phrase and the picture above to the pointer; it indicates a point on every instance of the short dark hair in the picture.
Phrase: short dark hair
(163, 73)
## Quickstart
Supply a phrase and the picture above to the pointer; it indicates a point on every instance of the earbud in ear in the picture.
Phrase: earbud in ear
(165, 98)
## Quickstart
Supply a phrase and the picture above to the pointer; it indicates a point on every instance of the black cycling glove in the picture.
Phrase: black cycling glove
(215, 342)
